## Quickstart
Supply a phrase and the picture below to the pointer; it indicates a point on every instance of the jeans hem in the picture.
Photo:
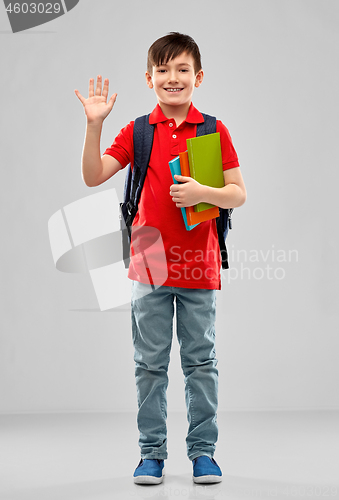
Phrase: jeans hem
(154, 456)
(199, 454)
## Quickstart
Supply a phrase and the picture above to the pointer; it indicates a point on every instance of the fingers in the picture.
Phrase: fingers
(105, 90)
(98, 91)
(176, 197)
(175, 189)
(91, 88)
(99, 85)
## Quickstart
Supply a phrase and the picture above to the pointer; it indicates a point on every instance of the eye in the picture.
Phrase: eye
(184, 70)
(161, 71)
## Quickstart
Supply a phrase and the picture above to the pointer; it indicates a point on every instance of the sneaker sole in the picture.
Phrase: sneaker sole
(207, 479)
(149, 479)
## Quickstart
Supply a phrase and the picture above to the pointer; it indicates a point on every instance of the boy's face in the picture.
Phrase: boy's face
(174, 82)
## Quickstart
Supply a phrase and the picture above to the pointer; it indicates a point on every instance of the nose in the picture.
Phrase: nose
(172, 76)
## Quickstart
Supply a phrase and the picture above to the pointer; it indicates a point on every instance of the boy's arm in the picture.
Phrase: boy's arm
(232, 195)
(96, 169)
(191, 192)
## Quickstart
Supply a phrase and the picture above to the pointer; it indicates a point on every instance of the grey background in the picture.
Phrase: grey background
(271, 75)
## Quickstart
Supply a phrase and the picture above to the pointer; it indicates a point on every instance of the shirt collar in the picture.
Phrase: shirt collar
(193, 115)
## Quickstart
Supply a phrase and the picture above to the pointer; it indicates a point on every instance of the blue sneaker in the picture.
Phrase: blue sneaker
(206, 470)
(149, 471)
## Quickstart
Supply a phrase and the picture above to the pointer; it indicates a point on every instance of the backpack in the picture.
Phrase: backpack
(143, 140)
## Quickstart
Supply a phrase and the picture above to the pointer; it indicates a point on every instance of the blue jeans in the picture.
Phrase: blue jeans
(152, 322)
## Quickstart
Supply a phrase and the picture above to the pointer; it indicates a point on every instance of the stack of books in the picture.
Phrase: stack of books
(203, 162)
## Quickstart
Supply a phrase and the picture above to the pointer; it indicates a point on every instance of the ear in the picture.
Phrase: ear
(149, 80)
(199, 78)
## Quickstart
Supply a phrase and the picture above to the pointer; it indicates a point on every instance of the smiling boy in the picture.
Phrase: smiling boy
(173, 71)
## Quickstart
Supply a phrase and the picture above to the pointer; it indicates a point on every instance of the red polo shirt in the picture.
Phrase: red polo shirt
(192, 257)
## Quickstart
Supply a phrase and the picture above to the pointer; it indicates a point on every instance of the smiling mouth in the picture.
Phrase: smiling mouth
(173, 90)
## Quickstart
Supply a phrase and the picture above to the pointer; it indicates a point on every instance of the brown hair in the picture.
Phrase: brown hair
(171, 46)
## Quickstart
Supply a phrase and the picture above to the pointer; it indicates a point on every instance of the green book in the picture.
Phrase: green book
(204, 154)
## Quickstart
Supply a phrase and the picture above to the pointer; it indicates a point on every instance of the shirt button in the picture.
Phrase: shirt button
(174, 136)
(171, 124)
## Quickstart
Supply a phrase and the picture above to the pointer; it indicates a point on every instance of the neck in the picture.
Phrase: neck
(178, 113)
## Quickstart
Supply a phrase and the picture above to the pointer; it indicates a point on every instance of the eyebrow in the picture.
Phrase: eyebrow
(180, 64)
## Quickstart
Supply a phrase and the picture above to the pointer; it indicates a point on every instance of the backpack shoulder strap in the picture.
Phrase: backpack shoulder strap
(135, 176)
(208, 126)
(142, 142)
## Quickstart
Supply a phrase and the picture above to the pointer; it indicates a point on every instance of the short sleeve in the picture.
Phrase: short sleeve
(229, 155)
(122, 147)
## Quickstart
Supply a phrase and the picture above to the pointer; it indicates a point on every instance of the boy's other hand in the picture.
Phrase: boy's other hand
(96, 106)
(189, 193)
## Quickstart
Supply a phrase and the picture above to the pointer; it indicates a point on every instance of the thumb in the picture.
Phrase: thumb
(112, 100)
(79, 96)
(181, 178)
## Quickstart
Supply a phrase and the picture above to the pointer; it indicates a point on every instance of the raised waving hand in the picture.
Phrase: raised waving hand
(96, 106)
